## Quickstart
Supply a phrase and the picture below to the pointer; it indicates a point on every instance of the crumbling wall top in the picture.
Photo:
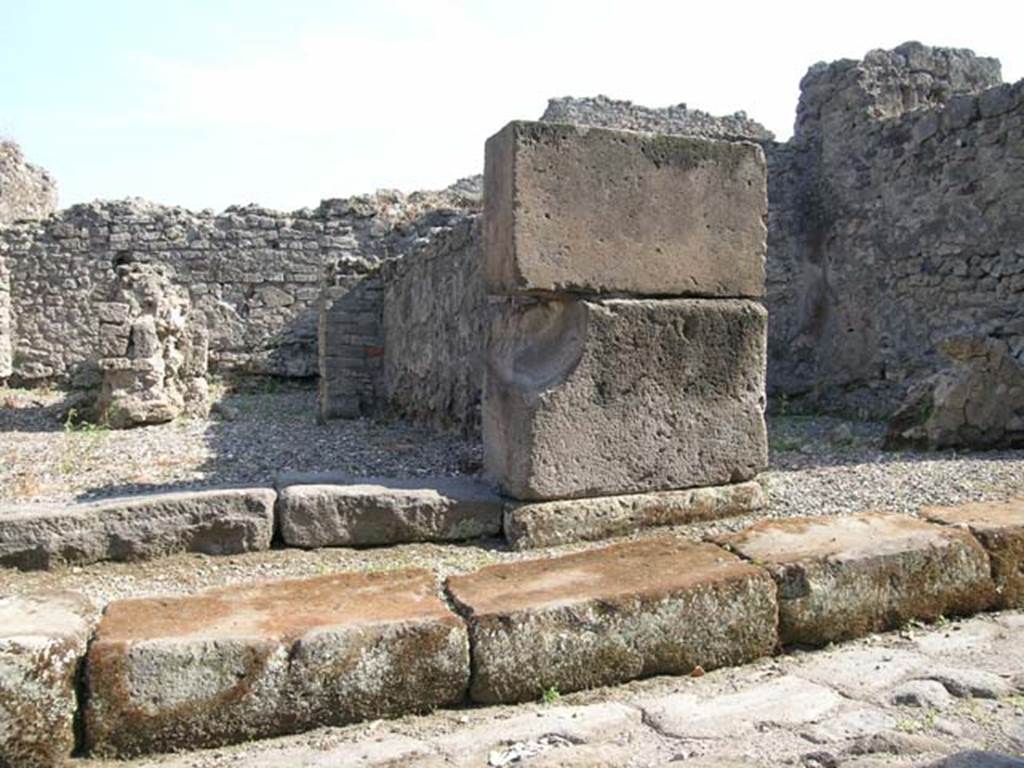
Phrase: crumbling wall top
(26, 190)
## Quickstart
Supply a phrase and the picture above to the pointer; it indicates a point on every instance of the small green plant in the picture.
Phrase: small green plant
(551, 695)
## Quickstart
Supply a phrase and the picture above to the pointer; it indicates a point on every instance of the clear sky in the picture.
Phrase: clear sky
(205, 103)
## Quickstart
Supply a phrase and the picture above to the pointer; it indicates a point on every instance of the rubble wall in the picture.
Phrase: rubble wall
(894, 223)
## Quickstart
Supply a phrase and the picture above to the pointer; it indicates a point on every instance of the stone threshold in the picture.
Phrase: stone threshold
(259, 660)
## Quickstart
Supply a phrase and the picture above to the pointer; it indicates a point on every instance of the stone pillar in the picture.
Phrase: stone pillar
(153, 351)
(630, 353)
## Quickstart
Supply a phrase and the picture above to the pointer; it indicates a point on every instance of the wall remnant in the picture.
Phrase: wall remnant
(894, 223)
(26, 190)
(153, 351)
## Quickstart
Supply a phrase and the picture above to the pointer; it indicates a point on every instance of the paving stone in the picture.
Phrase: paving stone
(925, 694)
(844, 577)
(247, 662)
(550, 523)
(999, 526)
(851, 721)
(597, 211)
(859, 672)
(214, 522)
(598, 398)
(376, 512)
(786, 700)
(43, 638)
(573, 724)
(971, 683)
(979, 759)
(661, 606)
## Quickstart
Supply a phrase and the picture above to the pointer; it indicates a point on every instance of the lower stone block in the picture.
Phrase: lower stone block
(240, 663)
(43, 638)
(844, 577)
(999, 526)
(595, 398)
(550, 523)
(656, 607)
(223, 521)
(383, 511)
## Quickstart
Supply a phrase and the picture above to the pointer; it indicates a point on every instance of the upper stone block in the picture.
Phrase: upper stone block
(595, 211)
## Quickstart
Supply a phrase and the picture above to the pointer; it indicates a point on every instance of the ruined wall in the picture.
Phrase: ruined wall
(436, 320)
(255, 273)
(26, 190)
(894, 223)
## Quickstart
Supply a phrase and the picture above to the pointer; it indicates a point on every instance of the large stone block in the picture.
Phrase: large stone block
(999, 526)
(42, 640)
(844, 577)
(591, 210)
(656, 607)
(239, 663)
(376, 512)
(223, 521)
(550, 523)
(592, 398)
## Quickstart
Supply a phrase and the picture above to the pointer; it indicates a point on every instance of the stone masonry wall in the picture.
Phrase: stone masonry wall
(436, 321)
(894, 223)
(256, 274)
(26, 191)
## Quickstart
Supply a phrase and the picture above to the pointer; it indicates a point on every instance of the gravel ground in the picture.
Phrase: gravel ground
(819, 465)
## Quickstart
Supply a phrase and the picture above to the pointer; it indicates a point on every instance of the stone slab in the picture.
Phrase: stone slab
(999, 526)
(550, 523)
(785, 700)
(43, 639)
(378, 512)
(598, 398)
(661, 606)
(596, 211)
(247, 662)
(844, 577)
(213, 522)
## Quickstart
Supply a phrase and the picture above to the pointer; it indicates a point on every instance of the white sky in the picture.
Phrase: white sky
(284, 104)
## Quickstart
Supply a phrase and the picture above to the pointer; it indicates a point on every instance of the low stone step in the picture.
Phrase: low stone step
(241, 663)
(844, 577)
(42, 640)
(222, 521)
(661, 606)
(999, 526)
(334, 512)
(550, 523)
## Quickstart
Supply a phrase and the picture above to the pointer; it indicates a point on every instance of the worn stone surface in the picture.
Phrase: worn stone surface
(843, 577)
(591, 210)
(214, 522)
(999, 526)
(254, 661)
(551, 523)
(152, 351)
(786, 700)
(661, 606)
(592, 398)
(375, 512)
(978, 402)
(43, 638)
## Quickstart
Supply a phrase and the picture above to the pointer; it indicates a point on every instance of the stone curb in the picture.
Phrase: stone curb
(254, 661)
(320, 512)
(223, 521)
(551, 523)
